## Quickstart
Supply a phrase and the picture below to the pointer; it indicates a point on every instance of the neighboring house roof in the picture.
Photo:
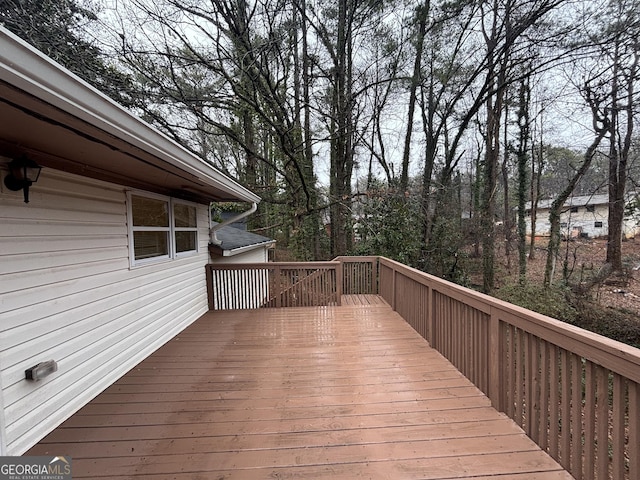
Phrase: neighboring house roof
(62, 122)
(235, 241)
(578, 201)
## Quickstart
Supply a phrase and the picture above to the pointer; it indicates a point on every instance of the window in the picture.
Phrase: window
(185, 227)
(161, 228)
(574, 209)
(591, 208)
(597, 224)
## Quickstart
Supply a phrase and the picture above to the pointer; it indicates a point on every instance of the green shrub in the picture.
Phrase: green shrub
(610, 322)
(559, 303)
(553, 302)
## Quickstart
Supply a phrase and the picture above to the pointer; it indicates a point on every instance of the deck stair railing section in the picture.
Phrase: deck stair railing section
(359, 275)
(268, 285)
(290, 284)
(575, 393)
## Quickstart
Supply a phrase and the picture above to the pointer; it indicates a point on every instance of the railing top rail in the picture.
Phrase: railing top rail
(359, 259)
(616, 356)
(270, 265)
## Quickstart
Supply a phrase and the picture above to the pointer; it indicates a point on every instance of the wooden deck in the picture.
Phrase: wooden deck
(314, 393)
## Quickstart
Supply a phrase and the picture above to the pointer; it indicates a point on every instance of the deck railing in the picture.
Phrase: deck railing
(359, 275)
(290, 284)
(575, 393)
(279, 285)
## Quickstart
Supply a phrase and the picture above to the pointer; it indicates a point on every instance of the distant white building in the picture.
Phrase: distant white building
(581, 216)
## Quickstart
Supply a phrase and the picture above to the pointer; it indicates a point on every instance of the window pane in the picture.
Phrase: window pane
(185, 241)
(150, 244)
(149, 212)
(185, 215)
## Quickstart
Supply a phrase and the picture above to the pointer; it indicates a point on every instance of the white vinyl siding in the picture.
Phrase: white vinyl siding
(67, 293)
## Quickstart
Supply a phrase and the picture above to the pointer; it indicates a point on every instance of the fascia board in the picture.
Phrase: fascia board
(248, 248)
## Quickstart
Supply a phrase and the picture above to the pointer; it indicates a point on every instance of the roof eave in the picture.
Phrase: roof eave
(27, 69)
(237, 251)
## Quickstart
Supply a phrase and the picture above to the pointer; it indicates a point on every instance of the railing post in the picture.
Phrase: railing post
(430, 314)
(208, 273)
(496, 344)
(634, 427)
(339, 284)
(278, 283)
(393, 288)
(375, 285)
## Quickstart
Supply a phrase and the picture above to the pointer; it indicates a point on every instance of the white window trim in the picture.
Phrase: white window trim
(173, 255)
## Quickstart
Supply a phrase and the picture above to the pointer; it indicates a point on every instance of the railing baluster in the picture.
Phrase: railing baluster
(602, 434)
(618, 407)
(554, 402)
(496, 344)
(528, 384)
(520, 379)
(634, 430)
(545, 379)
(576, 428)
(511, 409)
(565, 415)
(534, 407)
(589, 420)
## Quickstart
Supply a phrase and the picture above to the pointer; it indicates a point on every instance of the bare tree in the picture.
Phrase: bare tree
(600, 128)
(421, 20)
(524, 102)
(622, 52)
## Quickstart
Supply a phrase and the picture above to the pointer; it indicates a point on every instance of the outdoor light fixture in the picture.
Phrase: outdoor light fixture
(23, 173)
(41, 370)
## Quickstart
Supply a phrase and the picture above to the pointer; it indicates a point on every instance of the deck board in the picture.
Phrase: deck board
(323, 392)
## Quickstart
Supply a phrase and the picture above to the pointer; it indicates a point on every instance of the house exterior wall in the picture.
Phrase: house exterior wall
(592, 222)
(68, 293)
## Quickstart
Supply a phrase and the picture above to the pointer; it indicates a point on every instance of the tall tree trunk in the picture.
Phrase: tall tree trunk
(616, 206)
(618, 159)
(421, 17)
(536, 177)
(428, 112)
(524, 98)
(341, 149)
(489, 173)
(313, 222)
(496, 80)
(506, 224)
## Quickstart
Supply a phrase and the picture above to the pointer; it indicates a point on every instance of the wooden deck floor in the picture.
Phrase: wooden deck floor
(314, 393)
